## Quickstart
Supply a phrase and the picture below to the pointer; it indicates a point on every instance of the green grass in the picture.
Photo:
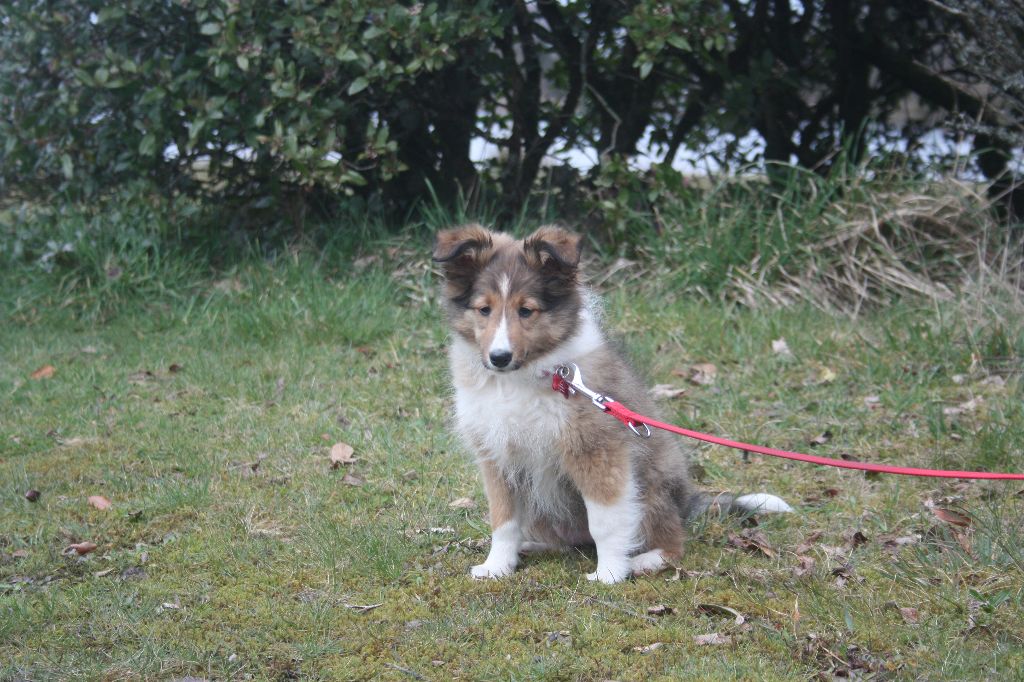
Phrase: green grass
(234, 549)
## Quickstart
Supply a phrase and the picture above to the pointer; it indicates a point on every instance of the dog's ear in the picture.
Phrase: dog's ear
(554, 250)
(462, 252)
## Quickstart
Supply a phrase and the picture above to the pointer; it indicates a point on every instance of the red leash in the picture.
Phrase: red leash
(568, 380)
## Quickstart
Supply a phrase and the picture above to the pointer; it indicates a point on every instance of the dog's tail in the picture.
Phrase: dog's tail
(755, 503)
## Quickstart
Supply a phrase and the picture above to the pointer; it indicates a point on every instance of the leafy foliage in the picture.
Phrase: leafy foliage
(293, 104)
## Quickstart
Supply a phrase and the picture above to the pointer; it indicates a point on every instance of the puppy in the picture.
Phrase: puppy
(557, 472)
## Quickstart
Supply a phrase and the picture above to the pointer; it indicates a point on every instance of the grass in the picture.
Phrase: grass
(203, 403)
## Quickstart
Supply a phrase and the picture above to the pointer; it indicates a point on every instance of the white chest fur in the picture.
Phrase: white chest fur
(505, 417)
(515, 418)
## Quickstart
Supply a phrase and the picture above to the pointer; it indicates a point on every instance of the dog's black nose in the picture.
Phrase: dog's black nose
(500, 358)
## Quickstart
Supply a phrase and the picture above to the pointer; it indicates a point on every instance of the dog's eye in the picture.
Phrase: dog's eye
(485, 311)
(525, 313)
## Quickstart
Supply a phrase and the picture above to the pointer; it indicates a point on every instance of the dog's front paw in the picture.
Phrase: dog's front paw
(489, 570)
(610, 573)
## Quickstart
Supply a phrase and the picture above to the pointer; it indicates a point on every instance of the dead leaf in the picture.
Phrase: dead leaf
(105, 572)
(753, 541)
(719, 610)
(341, 453)
(826, 375)
(660, 610)
(100, 502)
(362, 608)
(951, 517)
(667, 391)
(805, 568)
(857, 539)
(820, 439)
(805, 546)
(462, 503)
(141, 377)
(32, 495)
(44, 372)
(81, 548)
(702, 374)
(175, 368)
(649, 648)
(843, 574)
(89, 350)
(712, 639)
(781, 348)
(353, 480)
(894, 544)
(558, 637)
(910, 615)
(872, 401)
(229, 285)
(969, 406)
(19, 554)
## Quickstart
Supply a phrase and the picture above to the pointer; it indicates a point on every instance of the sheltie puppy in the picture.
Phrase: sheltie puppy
(558, 472)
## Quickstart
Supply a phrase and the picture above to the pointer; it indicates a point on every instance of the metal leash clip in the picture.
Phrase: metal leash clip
(568, 380)
(572, 380)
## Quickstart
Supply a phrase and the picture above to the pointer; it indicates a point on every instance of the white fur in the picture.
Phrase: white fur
(500, 343)
(503, 558)
(649, 562)
(615, 528)
(762, 503)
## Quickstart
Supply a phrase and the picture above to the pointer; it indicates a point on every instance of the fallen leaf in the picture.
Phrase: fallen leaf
(32, 495)
(89, 350)
(19, 554)
(353, 480)
(872, 401)
(462, 503)
(44, 372)
(100, 502)
(558, 637)
(826, 375)
(230, 285)
(666, 391)
(660, 610)
(969, 406)
(910, 615)
(951, 517)
(857, 539)
(805, 567)
(105, 572)
(341, 453)
(805, 546)
(362, 608)
(843, 574)
(719, 610)
(753, 541)
(895, 543)
(781, 348)
(649, 648)
(175, 368)
(702, 374)
(712, 639)
(821, 439)
(81, 548)
(141, 377)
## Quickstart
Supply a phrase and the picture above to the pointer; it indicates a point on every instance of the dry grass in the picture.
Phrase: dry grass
(924, 241)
